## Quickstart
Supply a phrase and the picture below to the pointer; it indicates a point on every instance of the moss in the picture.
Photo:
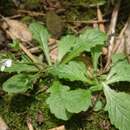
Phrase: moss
(16, 121)
(89, 121)
(16, 109)
(49, 121)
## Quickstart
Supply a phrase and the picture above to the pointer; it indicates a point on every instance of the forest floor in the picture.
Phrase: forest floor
(69, 16)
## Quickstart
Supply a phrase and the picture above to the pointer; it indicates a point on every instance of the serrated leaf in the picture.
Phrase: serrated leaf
(65, 45)
(41, 35)
(18, 83)
(118, 57)
(92, 38)
(87, 40)
(120, 71)
(118, 107)
(72, 71)
(77, 100)
(21, 67)
(55, 101)
(63, 101)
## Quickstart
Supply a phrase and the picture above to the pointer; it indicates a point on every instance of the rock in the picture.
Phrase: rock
(55, 24)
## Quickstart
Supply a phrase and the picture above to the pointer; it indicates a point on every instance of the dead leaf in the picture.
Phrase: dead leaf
(17, 30)
(3, 125)
(59, 128)
(53, 54)
(53, 49)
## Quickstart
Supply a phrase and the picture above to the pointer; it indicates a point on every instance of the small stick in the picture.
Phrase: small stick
(59, 128)
(27, 52)
(37, 49)
(100, 18)
(29, 124)
(88, 22)
(15, 16)
(31, 13)
(112, 31)
(120, 37)
(34, 50)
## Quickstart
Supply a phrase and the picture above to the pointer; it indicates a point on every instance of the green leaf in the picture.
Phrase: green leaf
(118, 57)
(98, 106)
(21, 67)
(95, 52)
(55, 101)
(95, 88)
(92, 38)
(65, 45)
(72, 71)
(77, 100)
(18, 83)
(120, 71)
(15, 45)
(87, 40)
(118, 107)
(41, 35)
(63, 101)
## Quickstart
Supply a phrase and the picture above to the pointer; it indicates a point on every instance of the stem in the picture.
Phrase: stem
(89, 81)
(27, 52)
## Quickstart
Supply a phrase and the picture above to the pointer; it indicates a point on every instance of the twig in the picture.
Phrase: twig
(31, 13)
(119, 38)
(29, 124)
(59, 128)
(37, 49)
(112, 32)
(27, 52)
(73, 29)
(34, 50)
(87, 22)
(15, 16)
(100, 18)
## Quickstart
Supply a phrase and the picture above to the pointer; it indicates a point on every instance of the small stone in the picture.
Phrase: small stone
(39, 118)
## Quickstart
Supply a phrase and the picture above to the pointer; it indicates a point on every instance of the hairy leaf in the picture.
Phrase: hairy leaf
(120, 71)
(118, 107)
(63, 101)
(18, 83)
(65, 45)
(72, 71)
(41, 35)
(87, 40)
(21, 67)
(118, 57)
